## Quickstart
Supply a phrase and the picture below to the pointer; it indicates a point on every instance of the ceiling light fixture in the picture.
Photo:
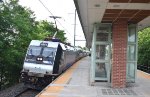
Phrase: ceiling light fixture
(97, 5)
(116, 5)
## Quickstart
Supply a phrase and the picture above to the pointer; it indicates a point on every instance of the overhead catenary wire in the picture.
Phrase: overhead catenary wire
(53, 15)
(46, 7)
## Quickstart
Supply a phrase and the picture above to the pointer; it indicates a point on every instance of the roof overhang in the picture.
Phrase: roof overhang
(108, 11)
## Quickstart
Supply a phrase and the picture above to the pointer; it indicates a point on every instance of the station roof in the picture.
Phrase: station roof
(108, 11)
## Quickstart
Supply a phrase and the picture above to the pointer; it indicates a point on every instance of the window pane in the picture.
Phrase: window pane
(102, 37)
(103, 29)
(34, 50)
(102, 52)
(130, 70)
(49, 52)
(131, 52)
(100, 70)
(131, 35)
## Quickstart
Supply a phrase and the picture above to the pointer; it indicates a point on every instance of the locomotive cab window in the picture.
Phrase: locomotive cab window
(33, 50)
(48, 52)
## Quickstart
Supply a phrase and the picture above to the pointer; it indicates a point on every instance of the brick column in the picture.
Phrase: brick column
(119, 45)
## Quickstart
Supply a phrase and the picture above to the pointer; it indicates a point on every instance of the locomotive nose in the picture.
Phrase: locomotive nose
(38, 68)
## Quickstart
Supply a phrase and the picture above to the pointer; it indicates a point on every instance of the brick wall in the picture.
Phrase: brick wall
(119, 39)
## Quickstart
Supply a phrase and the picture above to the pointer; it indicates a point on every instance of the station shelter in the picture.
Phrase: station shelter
(110, 28)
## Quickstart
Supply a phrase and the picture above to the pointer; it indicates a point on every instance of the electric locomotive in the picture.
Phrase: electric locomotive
(45, 60)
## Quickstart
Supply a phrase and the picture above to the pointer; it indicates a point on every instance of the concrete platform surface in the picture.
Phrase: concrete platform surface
(75, 83)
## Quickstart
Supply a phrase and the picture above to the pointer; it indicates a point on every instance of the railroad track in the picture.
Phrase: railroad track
(27, 93)
(21, 92)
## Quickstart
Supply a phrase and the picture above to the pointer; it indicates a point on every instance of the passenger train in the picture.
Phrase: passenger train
(45, 60)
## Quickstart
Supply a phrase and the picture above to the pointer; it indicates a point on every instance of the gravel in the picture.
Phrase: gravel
(12, 91)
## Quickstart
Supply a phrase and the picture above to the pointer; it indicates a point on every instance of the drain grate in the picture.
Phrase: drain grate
(118, 92)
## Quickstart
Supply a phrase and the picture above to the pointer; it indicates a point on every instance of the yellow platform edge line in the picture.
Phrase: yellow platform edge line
(143, 74)
(62, 79)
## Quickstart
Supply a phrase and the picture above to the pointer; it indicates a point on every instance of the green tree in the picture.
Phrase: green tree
(17, 28)
(144, 47)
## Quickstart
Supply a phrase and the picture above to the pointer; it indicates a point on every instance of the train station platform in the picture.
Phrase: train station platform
(75, 83)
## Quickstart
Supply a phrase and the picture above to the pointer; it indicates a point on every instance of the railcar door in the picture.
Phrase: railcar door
(62, 62)
(56, 67)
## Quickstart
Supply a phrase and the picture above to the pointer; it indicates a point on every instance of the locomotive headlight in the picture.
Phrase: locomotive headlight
(39, 59)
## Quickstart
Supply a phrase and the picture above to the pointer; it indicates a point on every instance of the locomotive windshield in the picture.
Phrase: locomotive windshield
(48, 52)
(34, 50)
(38, 54)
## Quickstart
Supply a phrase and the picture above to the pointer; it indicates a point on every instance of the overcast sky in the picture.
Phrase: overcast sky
(62, 8)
